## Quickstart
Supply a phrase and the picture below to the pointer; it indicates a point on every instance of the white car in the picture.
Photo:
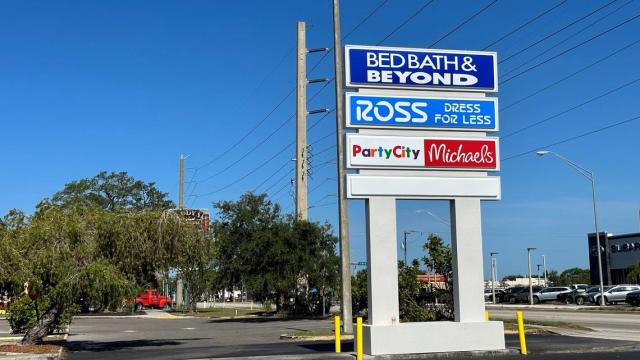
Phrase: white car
(550, 294)
(616, 294)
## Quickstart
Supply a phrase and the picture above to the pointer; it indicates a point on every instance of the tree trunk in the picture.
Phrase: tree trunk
(42, 328)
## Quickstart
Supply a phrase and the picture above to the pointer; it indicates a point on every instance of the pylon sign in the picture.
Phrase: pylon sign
(391, 67)
(415, 141)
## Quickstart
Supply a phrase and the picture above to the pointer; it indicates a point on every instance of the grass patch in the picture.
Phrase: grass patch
(219, 312)
(29, 349)
(311, 333)
(511, 324)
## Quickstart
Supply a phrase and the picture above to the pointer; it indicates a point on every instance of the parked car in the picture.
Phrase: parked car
(506, 295)
(579, 286)
(549, 294)
(150, 299)
(615, 295)
(633, 298)
(523, 294)
(578, 296)
(488, 295)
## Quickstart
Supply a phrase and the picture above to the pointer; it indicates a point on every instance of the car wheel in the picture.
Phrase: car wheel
(512, 300)
(536, 300)
(137, 307)
(568, 301)
(580, 301)
(606, 301)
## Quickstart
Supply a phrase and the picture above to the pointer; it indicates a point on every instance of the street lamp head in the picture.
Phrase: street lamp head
(542, 152)
(530, 249)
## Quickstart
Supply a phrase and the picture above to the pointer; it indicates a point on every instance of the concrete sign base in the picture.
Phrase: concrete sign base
(429, 337)
(384, 333)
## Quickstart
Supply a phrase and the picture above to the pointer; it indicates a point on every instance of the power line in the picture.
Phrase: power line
(272, 175)
(529, 22)
(572, 138)
(586, 27)
(464, 23)
(571, 108)
(259, 144)
(572, 48)
(371, 13)
(570, 75)
(555, 32)
(364, 20)
(279, 179)
(405, 22)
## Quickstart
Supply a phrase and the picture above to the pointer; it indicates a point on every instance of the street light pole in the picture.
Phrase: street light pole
(404, 244)
(544, 268)
(494, 275)
(589, 175)
(530, 285)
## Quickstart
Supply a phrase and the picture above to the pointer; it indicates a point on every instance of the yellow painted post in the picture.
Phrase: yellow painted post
(523, 342)
(336, 331)
(359, 338)
(486, 315)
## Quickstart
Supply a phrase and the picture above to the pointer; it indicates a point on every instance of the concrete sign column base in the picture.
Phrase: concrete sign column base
(430, 337)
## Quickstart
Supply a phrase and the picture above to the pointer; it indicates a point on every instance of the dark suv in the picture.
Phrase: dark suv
(522, 295)
(580, 296)
(506, 295)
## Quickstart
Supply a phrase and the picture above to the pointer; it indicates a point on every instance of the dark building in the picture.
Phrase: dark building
(619, 252)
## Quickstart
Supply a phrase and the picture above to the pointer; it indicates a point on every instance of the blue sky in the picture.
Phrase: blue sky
(129, 85)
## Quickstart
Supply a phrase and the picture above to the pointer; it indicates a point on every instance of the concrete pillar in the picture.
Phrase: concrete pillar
(466, 243)
(382, 261)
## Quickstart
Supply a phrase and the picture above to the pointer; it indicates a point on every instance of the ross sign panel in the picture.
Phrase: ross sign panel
(434, 153)
(408, 68)
(421, 112)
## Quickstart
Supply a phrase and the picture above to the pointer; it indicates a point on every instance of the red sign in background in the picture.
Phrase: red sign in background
(461, 153)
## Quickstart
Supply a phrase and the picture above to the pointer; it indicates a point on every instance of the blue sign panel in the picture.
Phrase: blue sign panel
(386, 111)
(388, 67)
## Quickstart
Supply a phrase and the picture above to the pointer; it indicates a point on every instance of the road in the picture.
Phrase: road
(606, 325)
(196, 338)
(144, 338)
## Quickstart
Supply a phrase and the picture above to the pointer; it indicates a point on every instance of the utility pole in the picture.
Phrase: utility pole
(179, 290)
(301, 125)
(494, 275)
(181, 185)
(530, 285)
(343, 216)
(544, 268)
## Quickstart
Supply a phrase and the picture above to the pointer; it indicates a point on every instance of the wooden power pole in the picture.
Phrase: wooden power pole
(343, 216)
(181, 185)
(301, 126)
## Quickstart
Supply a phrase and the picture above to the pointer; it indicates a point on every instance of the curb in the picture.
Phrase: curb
(584, 309)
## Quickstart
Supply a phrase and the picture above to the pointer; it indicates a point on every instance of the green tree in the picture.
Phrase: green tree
(633, 274)
(412, 300)
(575, 276)
(359, 299)
(439, 259)
(98, 241)
(272, 256)
(113, 192)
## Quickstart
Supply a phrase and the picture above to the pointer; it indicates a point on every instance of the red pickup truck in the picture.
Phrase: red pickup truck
(151, 299)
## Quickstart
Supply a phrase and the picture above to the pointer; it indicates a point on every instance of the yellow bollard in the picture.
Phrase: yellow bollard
(523, 342)
(486, 315)
(336, 332)
(359, 338)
